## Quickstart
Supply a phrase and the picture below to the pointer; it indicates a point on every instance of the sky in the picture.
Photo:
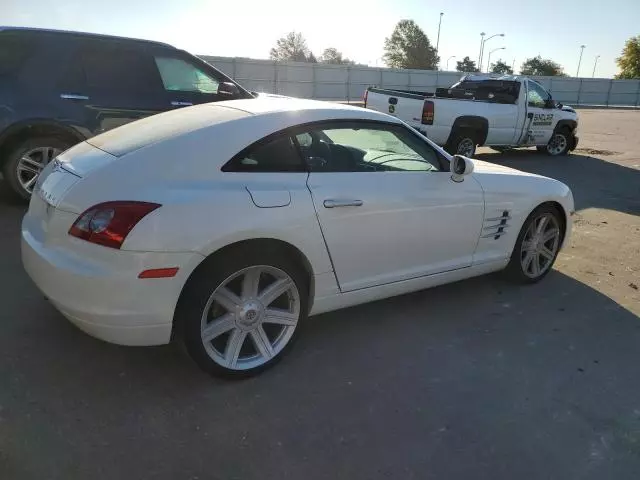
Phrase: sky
(550, 28)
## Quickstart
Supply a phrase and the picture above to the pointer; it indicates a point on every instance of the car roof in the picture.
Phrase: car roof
(38, 31)
(273, 104)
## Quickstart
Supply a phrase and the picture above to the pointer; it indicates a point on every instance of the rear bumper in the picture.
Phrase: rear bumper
(101, 292)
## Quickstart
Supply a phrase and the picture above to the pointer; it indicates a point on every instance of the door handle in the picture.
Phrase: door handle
(71, 96)
(181, 104)
(335, 203)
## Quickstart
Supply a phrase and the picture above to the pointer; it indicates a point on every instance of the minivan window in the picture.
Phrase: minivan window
(113, 67)
(181, 76)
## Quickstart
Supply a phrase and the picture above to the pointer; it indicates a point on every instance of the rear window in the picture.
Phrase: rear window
(14, 50)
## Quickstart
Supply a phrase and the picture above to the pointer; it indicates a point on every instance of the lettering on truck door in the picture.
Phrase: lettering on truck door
(542, 123)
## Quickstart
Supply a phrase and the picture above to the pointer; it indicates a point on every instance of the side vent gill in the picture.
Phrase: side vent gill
(497, 226)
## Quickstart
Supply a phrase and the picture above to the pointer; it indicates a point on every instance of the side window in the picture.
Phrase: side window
(273, 154)
(112, 67)
(179, 75)
(367, 147)
(537, 95)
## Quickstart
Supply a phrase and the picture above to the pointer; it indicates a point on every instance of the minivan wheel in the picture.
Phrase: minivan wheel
(241, 314)
(25, 162)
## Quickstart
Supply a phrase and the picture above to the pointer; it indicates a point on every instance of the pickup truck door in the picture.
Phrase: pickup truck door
(543, 121)
(386, 203)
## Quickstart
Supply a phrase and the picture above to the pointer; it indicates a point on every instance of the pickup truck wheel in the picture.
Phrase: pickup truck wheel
(463, 144)
(559, 144)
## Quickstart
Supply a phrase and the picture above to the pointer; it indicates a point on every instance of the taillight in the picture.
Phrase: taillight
(428, 110)
(109, 223)
(365, 96)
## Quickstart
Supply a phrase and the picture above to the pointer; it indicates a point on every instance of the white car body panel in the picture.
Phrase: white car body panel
(414, 230)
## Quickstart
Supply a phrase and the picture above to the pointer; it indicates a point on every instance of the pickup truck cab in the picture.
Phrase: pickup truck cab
(500, 112)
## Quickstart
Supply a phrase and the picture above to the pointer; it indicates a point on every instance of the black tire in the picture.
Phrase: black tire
(10, 168)
(460, 140)
(201, 287)
(515, 270)
(563, 136)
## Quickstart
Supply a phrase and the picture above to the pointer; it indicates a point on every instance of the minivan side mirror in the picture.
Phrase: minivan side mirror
(228, 89)
(460, 167)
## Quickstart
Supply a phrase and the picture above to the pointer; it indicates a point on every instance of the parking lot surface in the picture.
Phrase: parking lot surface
(479, 379)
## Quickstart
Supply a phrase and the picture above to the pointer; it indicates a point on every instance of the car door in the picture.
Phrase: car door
(186, 81)
(386, 203)
(115, 81)
(542, 123)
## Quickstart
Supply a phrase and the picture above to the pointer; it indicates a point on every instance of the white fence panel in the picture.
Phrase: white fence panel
(346, 82)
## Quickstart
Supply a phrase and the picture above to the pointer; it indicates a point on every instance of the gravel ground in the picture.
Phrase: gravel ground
(478, 379)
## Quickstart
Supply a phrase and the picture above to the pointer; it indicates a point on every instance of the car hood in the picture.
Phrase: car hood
(487, 167)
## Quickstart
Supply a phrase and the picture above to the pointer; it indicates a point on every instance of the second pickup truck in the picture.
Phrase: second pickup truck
(502, 113)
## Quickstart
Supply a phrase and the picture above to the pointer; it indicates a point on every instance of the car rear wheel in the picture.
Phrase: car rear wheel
(25, 162)
(537, 246)
(241, 314)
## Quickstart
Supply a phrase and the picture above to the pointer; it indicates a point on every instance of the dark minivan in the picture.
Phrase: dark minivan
(58, 88)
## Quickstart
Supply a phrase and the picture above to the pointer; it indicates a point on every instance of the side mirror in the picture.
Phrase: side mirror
(549, 103)
(228, 89)
(460, 167)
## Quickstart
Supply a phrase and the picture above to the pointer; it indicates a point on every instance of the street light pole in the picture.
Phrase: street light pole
(580, 60)
(452, 56)
(482, 46)
(489, 60)
(438, 40)
(594, 66)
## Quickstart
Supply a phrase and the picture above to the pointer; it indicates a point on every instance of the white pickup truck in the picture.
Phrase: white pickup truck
(500, 112)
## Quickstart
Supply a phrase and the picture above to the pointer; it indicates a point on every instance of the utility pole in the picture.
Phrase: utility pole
(580, 60)
(480, 54)
(438, 40)
(452, 56)
(594, 66)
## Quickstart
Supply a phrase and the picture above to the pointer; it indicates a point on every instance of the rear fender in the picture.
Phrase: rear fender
(479, 125)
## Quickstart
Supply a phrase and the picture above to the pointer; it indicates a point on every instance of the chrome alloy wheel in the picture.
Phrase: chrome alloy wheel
(557, 144)
(32, 163)
(250, 317)
(540, 245)
(466, 147)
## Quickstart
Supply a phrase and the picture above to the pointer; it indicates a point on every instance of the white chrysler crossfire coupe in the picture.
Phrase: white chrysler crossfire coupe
(225, 225)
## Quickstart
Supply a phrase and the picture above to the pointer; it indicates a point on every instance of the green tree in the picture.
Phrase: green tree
(629, 61)
(501, 67)
(541, 66)
(409, 47)
(334, 56)
(466, 65)
(293, 48)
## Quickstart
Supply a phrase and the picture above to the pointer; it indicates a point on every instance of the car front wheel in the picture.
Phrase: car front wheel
(537, 246)
(241, 313)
